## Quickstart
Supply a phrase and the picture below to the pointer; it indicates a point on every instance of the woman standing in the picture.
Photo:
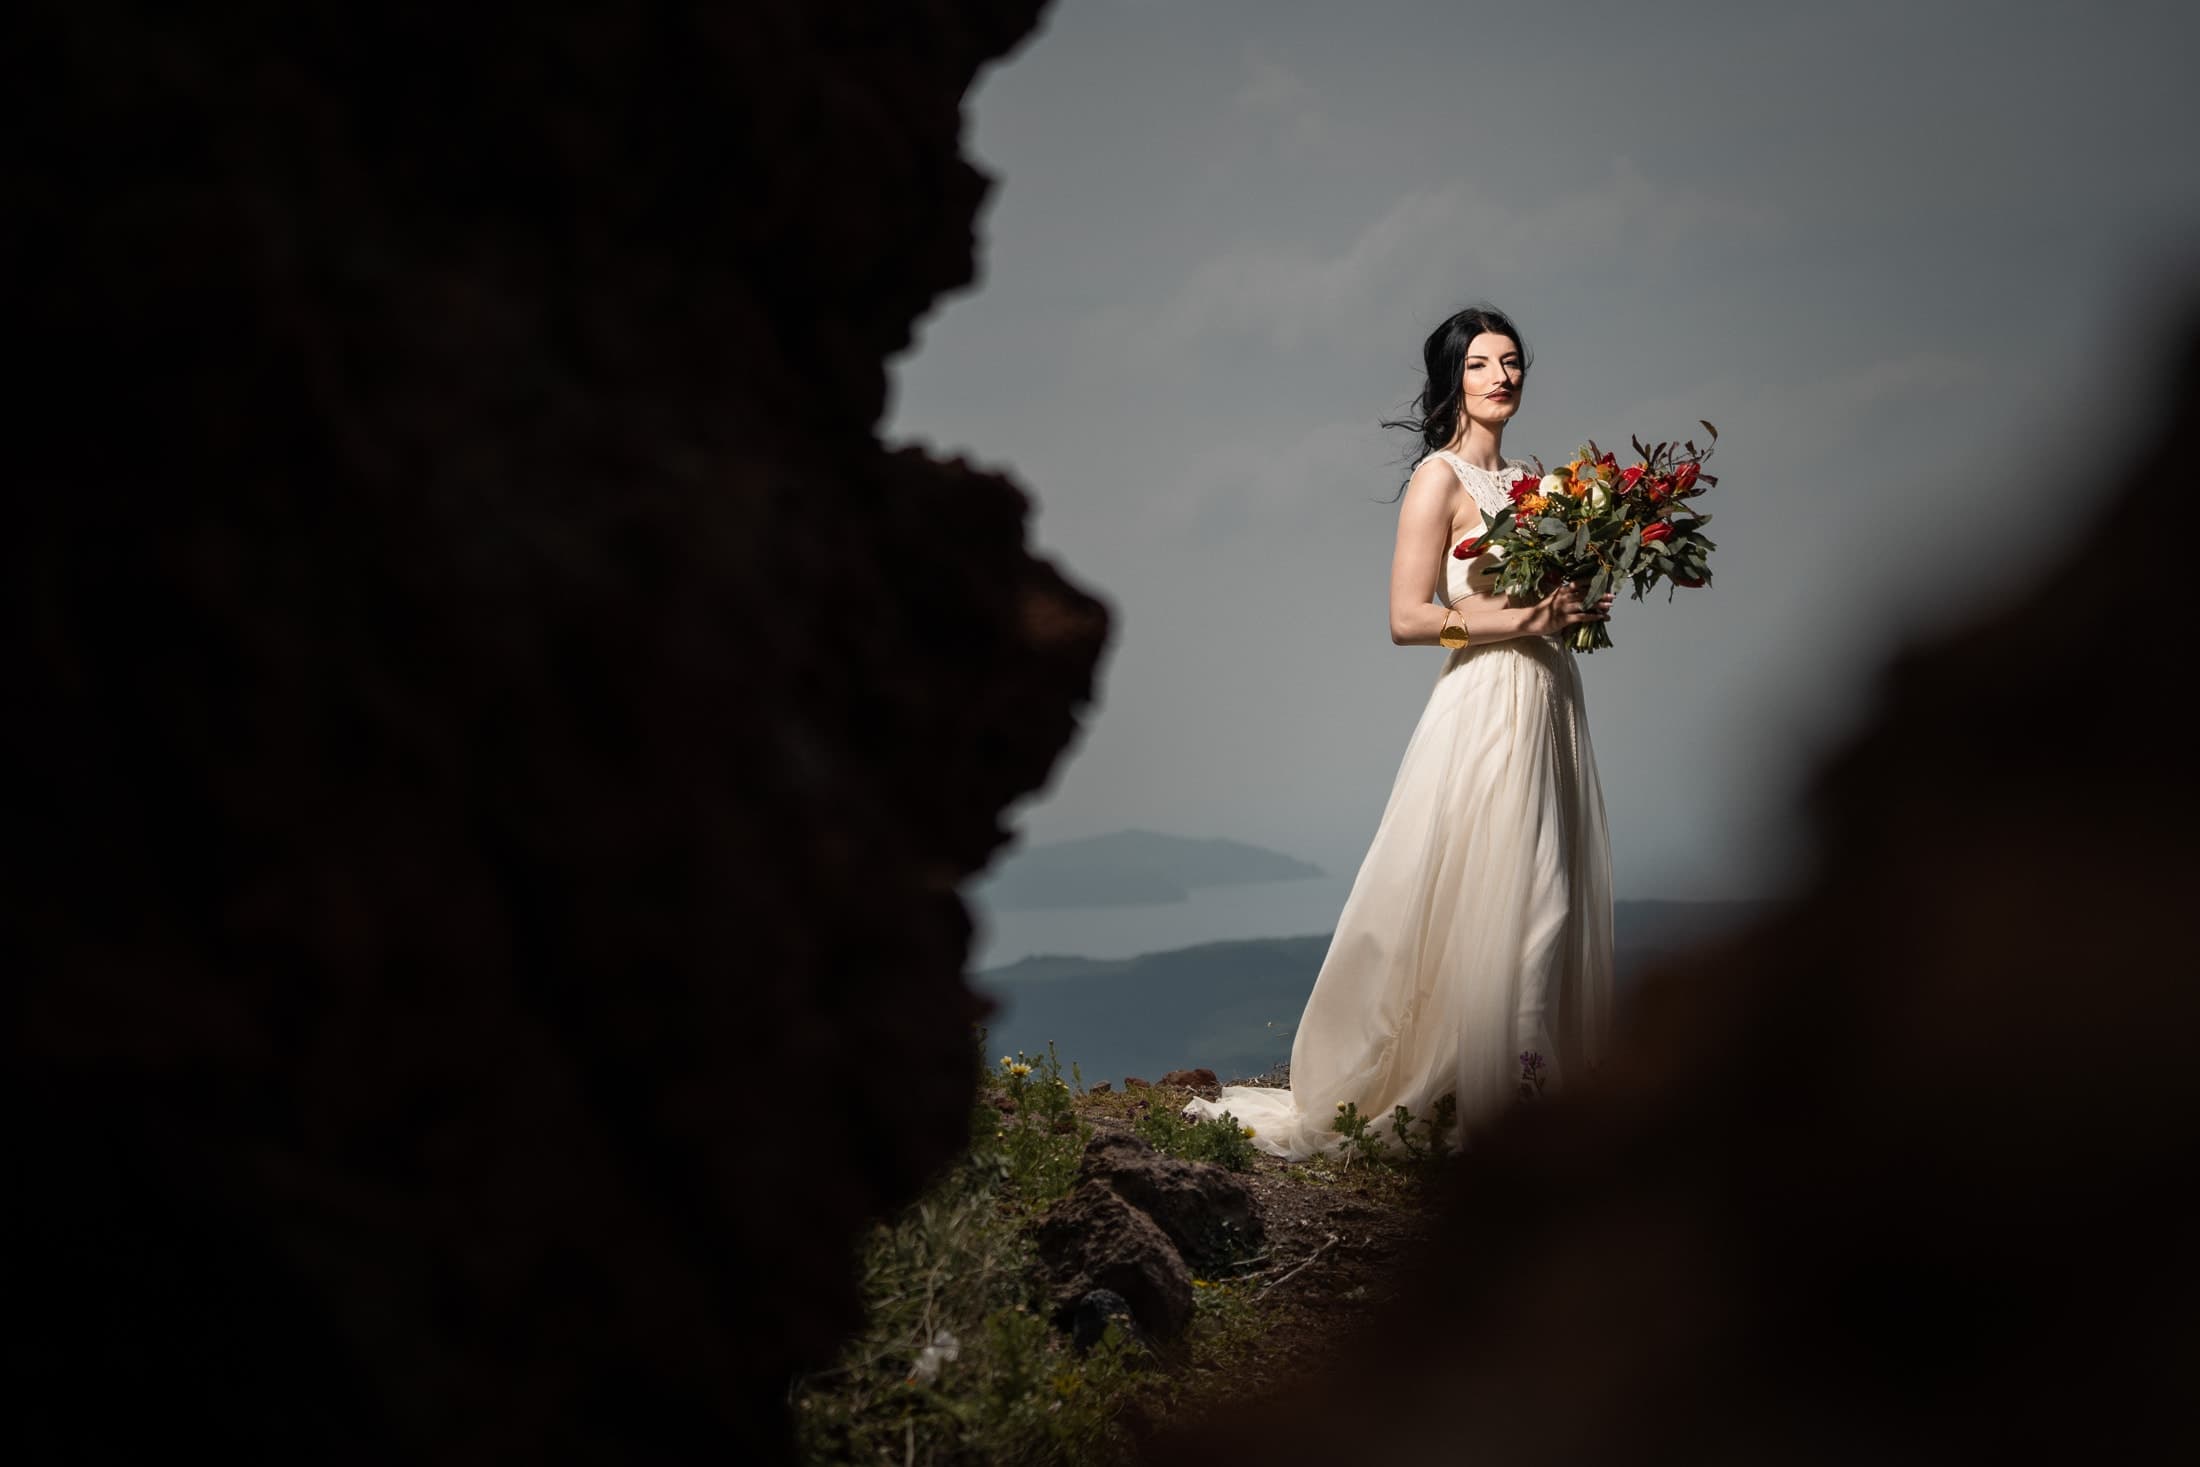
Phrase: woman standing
(1476, 944)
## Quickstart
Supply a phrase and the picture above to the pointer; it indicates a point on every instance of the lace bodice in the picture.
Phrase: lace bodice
(1488, 488)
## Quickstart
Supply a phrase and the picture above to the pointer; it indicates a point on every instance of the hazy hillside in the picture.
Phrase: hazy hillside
(1129, 868)
(1232, 1005)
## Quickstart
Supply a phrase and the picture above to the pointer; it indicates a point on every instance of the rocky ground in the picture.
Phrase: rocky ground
(1334, 1232)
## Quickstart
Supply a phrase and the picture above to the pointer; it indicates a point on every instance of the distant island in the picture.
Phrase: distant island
(1129, 868)
(1232, 1006)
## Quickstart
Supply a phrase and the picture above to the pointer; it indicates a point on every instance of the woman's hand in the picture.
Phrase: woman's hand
(1562, 610)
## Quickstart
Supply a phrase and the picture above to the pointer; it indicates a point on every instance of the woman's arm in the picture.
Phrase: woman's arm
(1417, 568)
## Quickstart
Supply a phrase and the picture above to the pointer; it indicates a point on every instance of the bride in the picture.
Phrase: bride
(1474, 953)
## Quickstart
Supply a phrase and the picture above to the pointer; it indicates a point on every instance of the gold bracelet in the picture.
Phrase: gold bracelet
(1447, 632)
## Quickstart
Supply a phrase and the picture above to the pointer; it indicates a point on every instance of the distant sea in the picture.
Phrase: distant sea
(1209, 914)
(1143, 990)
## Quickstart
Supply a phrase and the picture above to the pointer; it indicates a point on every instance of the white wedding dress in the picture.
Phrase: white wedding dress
(1479, 927)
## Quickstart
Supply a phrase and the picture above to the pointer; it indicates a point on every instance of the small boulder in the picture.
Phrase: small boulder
(1105, 1087)
(1088, 1319)
(1093, 1239)
(1132, 1082)
(1192, 1079)
(1205, 1210)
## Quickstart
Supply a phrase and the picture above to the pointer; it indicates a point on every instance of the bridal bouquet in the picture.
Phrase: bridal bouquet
(1591, 520)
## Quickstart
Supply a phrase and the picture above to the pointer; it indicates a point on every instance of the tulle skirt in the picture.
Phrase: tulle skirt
(1479, 928)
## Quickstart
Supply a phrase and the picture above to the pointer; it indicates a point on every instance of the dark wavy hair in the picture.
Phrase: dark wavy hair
(1444, 354)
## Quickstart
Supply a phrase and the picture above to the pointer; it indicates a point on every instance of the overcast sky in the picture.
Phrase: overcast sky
(1907, 257)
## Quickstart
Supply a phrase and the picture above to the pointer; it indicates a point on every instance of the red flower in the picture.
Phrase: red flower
(1609, 462)
(1655, 531)
(1684, 581)
(1522, 488)
(1683, 478)
(1466, 549)
(1660, 490)
(1627, 477)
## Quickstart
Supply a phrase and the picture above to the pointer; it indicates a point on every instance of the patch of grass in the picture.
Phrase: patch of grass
(1220, 1139)
(1037, 1138)
(1418, 1146)
(957, 1364)
(1232, 1345)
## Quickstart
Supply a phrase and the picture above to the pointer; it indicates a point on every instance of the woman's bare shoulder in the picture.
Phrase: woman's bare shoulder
(1432, 493)
(1434, 474)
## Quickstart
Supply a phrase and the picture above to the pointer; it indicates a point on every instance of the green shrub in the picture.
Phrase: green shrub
(957, 1365)
(1025, 1127)
(1419, 1146)
(1221, 1140)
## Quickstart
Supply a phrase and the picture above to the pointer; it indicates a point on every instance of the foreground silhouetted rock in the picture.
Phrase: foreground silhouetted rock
(1897, 1175)
(493, 740)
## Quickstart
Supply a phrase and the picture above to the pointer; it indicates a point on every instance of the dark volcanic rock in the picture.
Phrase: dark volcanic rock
(1202, 1080)
(494, 738)
(1207, 1212)
(1091, 1315)
(1093, 1239)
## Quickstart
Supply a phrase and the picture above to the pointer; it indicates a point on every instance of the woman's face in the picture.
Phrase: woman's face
(1493, 378)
